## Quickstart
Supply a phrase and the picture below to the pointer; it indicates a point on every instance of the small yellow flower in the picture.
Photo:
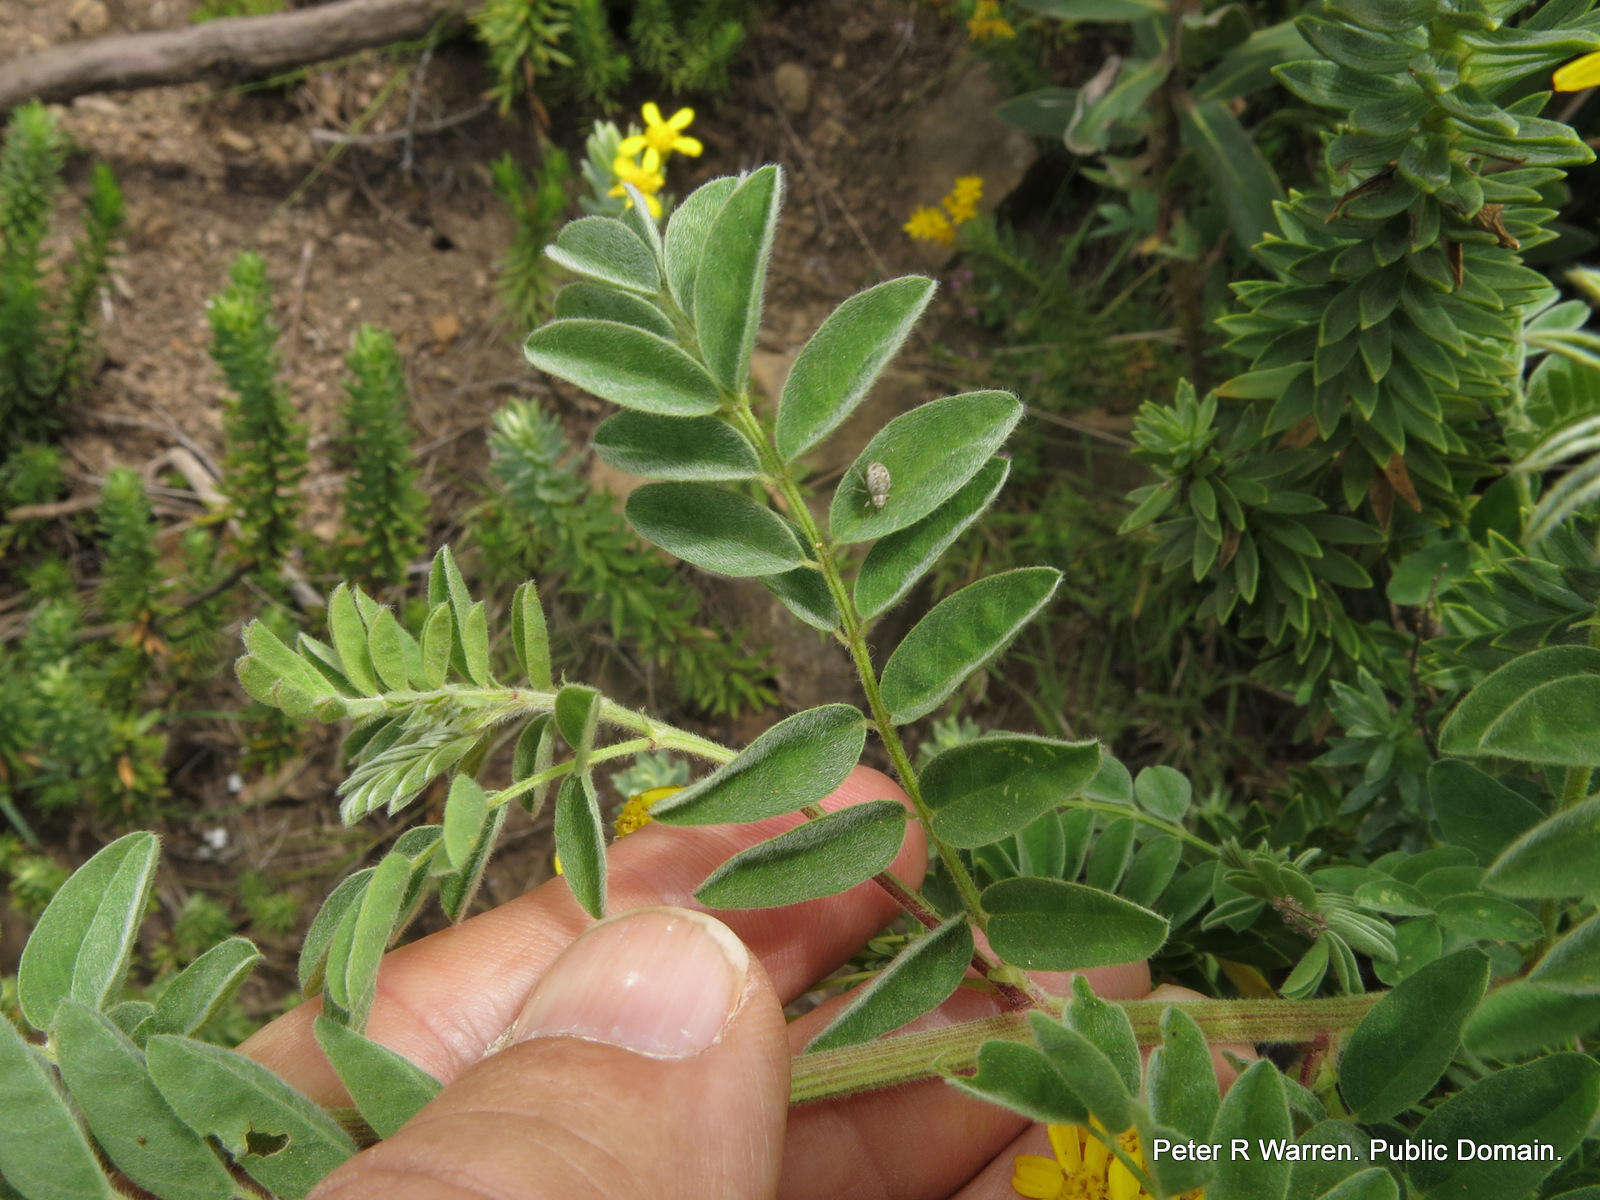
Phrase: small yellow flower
(645, 174)
(962, 202)
(635, 814)
(1082, 1168)
(987, 25)
(930, 225)
(1582, 72)
(663, 135)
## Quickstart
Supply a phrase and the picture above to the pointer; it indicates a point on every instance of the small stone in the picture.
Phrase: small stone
(89, 17)
(793, 85)
(446, 328)
(240, 143)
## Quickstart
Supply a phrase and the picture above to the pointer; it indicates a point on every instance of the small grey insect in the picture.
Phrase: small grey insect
(878, 482)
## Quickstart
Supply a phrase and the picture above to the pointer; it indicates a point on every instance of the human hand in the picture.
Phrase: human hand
(648, 1056)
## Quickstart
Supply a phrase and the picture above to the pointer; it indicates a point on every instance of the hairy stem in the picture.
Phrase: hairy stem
(932, 1053)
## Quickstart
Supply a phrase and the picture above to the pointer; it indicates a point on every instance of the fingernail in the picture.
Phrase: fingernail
(658, 981)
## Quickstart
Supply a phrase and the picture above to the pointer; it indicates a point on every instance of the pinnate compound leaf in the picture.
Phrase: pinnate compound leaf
(625, 365)
(278, 1136)
(387, 1088)
(129, 1118)
(981, 791)
(81, 944)
(797, 762)
(714, 529)
(930, 453)
(727, 300)
(1021, 1078)
(581, 843)
(604, 249)
(1256, 1107)
(1542, 707)
(1477, 811)
(920, 978)
(830, 854)
(838, 366)
(1402, 1047)
(203, 987)
(962, 633)
(44, 1154)
(675, 448)
(1550, 1100)
(466, 812)
(895, 563)
(687, 229)
(529, 636)
(1053, 925)
(1182, 1080)
(1558, 857)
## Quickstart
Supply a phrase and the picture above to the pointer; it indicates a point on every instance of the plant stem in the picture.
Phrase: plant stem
(931, 1053)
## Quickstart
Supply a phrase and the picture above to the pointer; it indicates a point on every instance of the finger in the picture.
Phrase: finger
(922, 1140)
(444, 999)
(650, 1060)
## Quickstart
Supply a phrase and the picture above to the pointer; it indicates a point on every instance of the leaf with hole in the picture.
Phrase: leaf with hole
(930, 454)
(796, 762)
(824, 856)
(838, 366)
(921, 977)
(962, 634)
(983, 790)
(714, 529)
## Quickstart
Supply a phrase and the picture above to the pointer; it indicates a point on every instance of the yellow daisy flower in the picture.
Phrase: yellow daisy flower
(663, 135)
(1582, 72)
(987, 25)
(1082, 1168)
(930, 225)
(645, 174)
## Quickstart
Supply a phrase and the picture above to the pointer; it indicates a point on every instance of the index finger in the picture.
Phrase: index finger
(443, 1000)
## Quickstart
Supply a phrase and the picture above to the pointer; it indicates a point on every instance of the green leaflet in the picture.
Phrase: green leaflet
(714, 529)
(276, 1135)
(1089, 1074)
(1255, 1107)
(601, 303)
(466, 813)
(1019, 1077)
(577, 717)
(830, 854)
(963, 633)
(838, 366)
(80, 946)
(1550, 1100)
(1053, 925)
(349, 633)
(203, 987)
(727, 301)
(930, 454)
(895, 563)
(1181, 1080)
(625, 365)
(687, 229)
(1523, 1018)
(1559, 857)
(1542, 707)
(581, 843)
(981, 791)
(529, 637)
(1404, 1044)
(1240, 176)
(320, 934)
(921, 977)
(1107, 1027)
(1372, 1184)
(388, 1090)
(707, 449)
(458, 890)
(1476, 811)
(604, 249)
(44, 1154)
(805, 593)
(362, 937)
(534, 753)
(797, 762)
(1572, 965)
(127, 1115)
(1163, 792)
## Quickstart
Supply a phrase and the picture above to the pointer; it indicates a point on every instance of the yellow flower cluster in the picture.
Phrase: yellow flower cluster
(929, 224)
(1582, 72)
(987, 25)
(641, 159)
(1083, 1168)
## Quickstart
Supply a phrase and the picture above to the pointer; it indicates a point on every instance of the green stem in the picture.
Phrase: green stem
(1123, 810)
(931, 1053)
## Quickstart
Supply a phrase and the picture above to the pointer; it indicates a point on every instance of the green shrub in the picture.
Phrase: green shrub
(537, 205)
(45, 338)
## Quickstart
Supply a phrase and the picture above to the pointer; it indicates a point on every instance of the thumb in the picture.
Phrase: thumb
(650, 1060)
